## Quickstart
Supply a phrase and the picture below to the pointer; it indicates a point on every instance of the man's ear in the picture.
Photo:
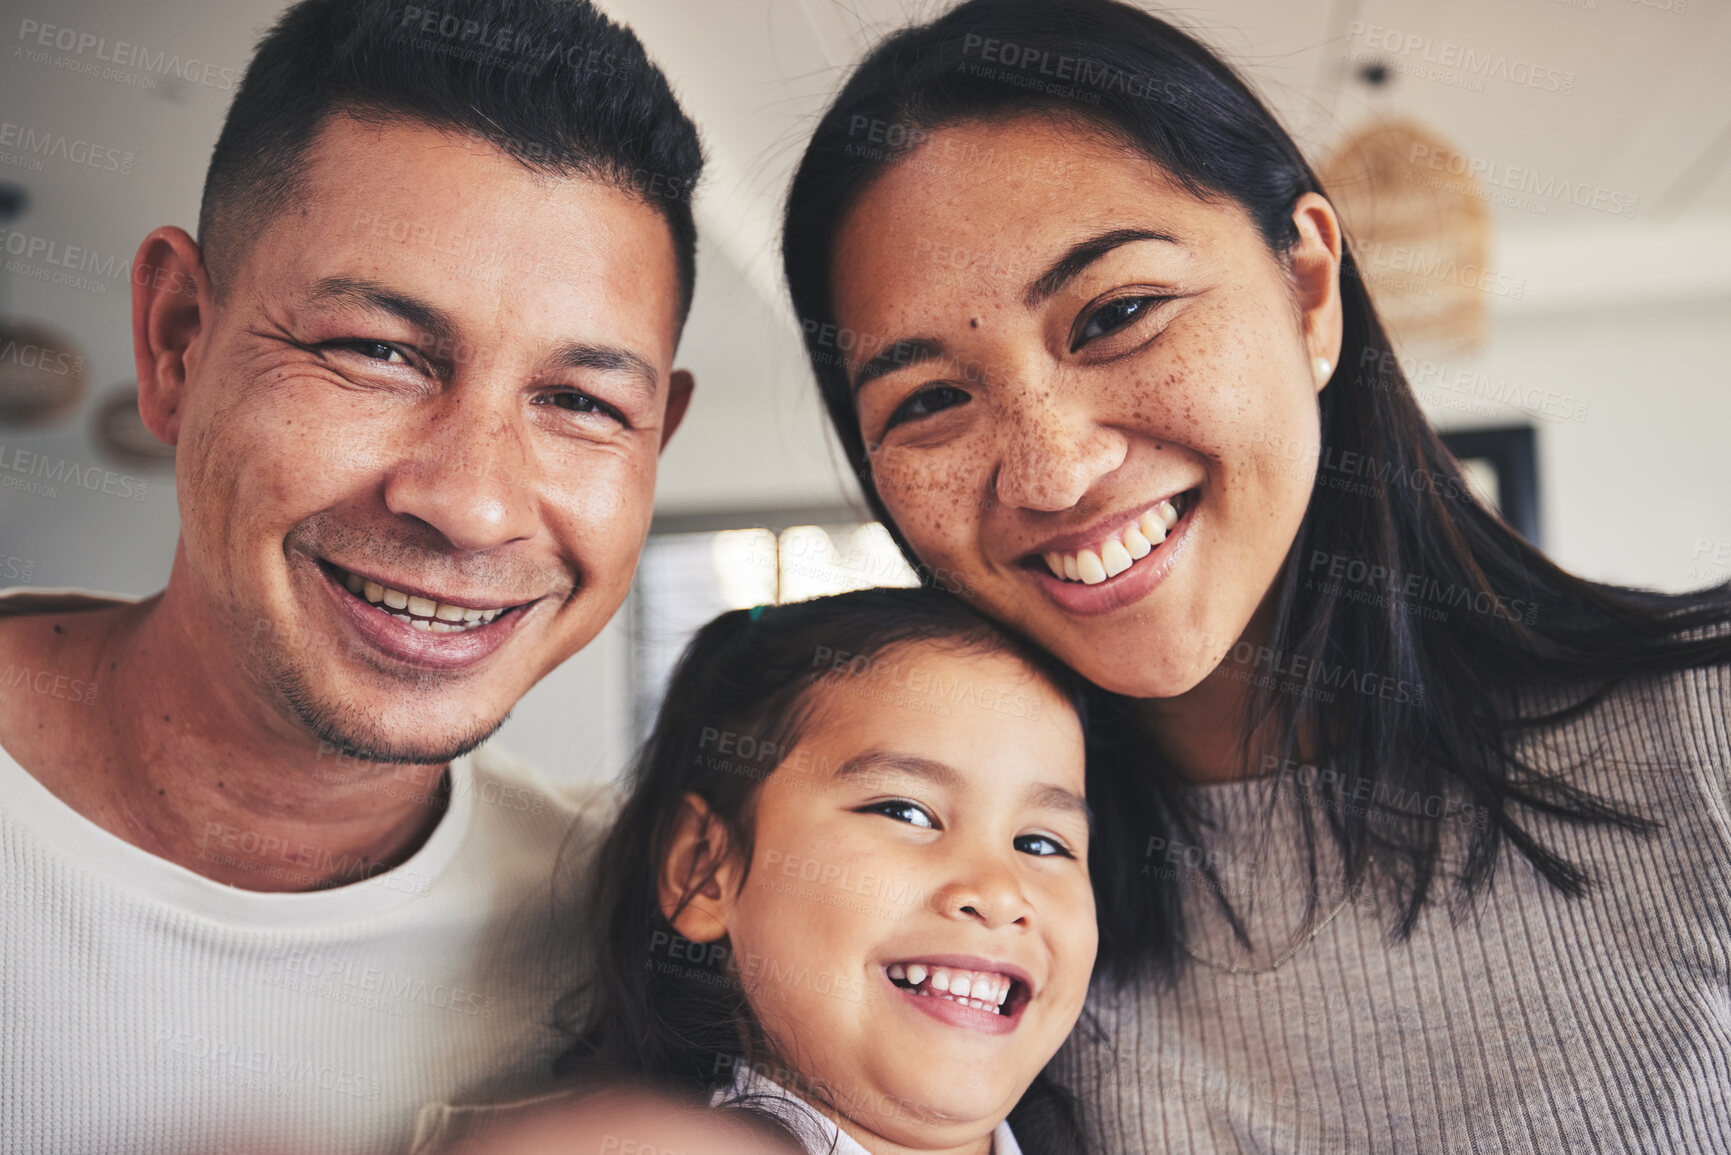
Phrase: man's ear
(700, 875)
(1315, 265)
(679, 387)
(171, 307)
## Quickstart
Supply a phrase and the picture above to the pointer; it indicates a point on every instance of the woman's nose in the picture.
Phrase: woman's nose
(1051, 455)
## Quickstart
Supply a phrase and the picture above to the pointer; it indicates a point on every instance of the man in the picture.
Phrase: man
(417, 368)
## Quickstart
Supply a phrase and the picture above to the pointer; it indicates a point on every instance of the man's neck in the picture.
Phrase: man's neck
(179, 754)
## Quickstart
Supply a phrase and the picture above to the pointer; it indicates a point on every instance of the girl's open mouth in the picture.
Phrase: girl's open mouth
(991, 992)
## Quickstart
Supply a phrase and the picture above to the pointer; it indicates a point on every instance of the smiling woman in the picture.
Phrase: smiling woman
(1100, 349)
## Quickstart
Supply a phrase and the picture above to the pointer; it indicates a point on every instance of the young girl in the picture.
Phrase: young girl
(850, 886)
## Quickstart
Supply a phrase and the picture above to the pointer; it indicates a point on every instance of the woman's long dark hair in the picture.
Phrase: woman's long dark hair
(1501, 627)
(669, 1010)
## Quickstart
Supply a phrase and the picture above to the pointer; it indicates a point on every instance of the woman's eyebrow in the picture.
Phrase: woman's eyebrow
(1081, 255)
(898, 355)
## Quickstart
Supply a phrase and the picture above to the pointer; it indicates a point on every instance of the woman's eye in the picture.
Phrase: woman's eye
(904, 811)
(1111, 317)
(927, 402)
(1041, 846)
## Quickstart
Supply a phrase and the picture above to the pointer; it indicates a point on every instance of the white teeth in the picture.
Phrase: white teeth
(445, 618)
(961, 987)
(1115, 554)
(1115, 558)
(1153, 526)
(941, 980)
(897, 971)
(1089, 568)
(917, 974)
(1003, 992)
(982, 990)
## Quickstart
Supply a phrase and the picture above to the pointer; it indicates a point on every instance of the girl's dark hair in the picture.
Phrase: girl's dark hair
(1522, 644)
(660, 1007)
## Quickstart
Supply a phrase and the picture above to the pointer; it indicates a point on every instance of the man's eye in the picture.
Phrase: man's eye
(576, 402)
(904, 811)
(1041, 846)
(374, 351)
(927, 402)
(1112, 316)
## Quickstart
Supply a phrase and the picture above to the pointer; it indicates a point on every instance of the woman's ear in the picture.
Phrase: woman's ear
(1315, 265)
(700, 874)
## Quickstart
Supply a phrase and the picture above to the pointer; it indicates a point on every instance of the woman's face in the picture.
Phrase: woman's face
(1086, 395)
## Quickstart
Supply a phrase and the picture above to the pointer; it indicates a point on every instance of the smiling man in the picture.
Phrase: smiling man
(418, 370)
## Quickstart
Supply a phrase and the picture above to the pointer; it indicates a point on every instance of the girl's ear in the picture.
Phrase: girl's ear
(700, 874)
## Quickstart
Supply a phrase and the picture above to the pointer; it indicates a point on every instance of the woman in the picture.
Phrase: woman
(1412, 840)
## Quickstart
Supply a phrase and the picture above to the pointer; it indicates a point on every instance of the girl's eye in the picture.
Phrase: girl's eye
(1112, 316)
(904, 811)
(927, 402)
(1041, 846)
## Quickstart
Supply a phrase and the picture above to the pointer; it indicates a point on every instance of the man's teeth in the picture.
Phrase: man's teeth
(423, 613)
(982, 990)
(1116, 554)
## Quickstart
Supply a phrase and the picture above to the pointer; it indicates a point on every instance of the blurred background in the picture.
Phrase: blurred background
(1540, 191)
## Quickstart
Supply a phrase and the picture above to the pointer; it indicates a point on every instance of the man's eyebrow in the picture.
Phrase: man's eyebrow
(372, 295)
(1083, 254)
(898, 355)
(608, 359)
(892, 761)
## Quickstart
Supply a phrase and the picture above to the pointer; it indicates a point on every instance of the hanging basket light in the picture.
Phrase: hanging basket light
(1420, 230)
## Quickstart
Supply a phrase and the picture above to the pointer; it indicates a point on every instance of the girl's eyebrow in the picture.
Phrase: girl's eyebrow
(877, 761)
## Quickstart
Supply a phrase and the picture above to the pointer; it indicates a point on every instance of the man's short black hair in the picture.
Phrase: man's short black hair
(552, 83)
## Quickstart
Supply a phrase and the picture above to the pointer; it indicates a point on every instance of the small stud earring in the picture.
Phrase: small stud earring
(1323, 367)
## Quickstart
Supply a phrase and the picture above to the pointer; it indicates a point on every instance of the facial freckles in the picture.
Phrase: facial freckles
(1177, 365)
(460, 452)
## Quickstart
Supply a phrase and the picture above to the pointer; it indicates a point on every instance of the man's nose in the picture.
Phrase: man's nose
(472, 474)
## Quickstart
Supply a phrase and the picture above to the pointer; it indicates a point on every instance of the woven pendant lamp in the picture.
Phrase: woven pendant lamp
(1420, 229)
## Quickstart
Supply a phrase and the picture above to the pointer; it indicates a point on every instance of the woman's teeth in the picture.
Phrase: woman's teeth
(1116, 554)
(423, 613)
(981, 990)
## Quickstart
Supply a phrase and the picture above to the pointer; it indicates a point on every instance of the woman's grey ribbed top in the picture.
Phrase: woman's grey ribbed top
(1526, 1022)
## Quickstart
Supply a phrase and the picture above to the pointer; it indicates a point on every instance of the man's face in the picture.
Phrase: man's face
(417, 443)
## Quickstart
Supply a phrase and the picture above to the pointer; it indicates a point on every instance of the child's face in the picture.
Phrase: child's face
(931, 819)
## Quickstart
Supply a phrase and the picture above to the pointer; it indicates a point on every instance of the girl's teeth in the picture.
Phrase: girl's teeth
(961, 987)
(941, 980)
(917, 974)
(897, 971)
(981, 990)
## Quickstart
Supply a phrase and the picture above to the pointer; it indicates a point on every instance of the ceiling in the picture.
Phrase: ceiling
(1648, 116)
